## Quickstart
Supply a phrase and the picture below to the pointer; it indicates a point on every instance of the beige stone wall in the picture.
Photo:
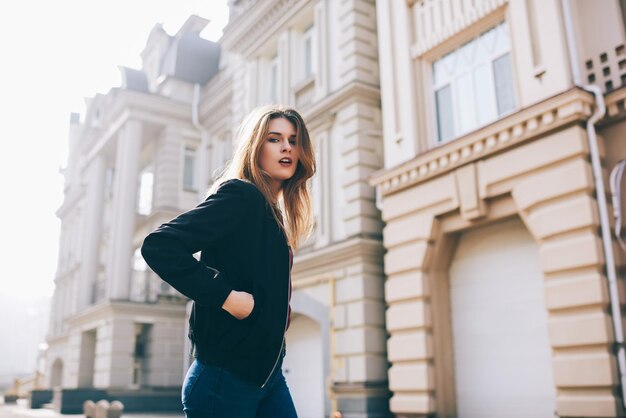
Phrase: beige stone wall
(545, 179)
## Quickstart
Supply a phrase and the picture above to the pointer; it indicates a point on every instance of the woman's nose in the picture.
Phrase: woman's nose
(286, 146)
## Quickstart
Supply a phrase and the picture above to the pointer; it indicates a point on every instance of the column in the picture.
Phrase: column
(124, 208)
(93, 229)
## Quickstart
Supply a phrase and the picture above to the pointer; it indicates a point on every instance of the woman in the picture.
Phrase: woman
(241, 285)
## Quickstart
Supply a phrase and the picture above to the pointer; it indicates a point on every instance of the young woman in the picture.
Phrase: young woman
(241, 285)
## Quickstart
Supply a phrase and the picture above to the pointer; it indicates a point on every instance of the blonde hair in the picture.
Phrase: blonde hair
(244, 165)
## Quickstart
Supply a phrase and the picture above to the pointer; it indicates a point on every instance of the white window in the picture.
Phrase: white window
(139, 264)
(273, 73)
(189, 170)
(139, 278)
(146, 182)
(308, 52)
(473, 85)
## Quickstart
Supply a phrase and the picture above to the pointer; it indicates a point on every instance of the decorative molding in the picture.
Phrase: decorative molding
(110, 309)
(616, 103)
(435, 22)
(331, 104)
(342, 253)
(571, 106)
(260, 22)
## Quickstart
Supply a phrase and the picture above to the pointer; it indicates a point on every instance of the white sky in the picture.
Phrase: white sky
(53, 55)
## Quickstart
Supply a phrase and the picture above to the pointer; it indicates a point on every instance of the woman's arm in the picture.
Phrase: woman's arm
(169, 249)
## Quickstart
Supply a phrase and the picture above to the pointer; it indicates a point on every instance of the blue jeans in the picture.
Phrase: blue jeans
(213, 392)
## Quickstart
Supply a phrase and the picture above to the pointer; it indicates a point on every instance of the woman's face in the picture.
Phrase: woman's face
(280, 153)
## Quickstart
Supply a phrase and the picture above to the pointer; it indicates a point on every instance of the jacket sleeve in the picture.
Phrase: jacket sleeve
(169, 249)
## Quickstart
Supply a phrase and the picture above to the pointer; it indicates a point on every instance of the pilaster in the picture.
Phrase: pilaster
(322, 82)
(358, 47)
(559, 210)
(361, 150)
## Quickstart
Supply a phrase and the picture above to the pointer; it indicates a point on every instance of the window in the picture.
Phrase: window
(139, 264)
(189, 170)
(473, 85)
(144, 202)
(139, 278)
(307, 51)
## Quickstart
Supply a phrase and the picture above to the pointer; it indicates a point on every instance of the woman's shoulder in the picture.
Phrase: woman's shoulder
(244, 187)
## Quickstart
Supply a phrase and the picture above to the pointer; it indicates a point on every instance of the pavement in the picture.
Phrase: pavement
(20, 410)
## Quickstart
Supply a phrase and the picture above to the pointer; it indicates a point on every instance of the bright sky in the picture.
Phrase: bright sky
(53, 55)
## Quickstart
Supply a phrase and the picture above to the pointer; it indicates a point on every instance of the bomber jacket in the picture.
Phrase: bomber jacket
(242, 248)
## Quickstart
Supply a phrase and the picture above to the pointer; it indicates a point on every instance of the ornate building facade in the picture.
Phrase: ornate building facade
(498, 293)
(149, 150)
(457, 266)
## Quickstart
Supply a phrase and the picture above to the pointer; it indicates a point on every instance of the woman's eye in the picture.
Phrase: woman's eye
(292, 142)
(273, 140)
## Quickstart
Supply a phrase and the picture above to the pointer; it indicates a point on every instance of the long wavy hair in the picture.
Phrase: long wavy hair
(297, 223)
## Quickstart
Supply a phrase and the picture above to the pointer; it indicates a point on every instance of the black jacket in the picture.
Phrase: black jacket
(242, 248)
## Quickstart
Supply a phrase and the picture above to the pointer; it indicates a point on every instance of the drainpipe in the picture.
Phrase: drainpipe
(605, 228)
(203, 176)
(202, 183)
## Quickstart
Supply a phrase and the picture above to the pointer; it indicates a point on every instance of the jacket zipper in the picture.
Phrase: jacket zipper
(282, 344)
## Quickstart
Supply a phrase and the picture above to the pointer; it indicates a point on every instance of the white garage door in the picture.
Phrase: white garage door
(502, 354)
(303, 366)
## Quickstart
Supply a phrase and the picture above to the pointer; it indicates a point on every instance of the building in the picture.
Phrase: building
(129, 168)
(496, 284)
(170, 127)
(457, 266)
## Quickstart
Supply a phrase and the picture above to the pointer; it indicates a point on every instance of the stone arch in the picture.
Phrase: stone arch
(303, 304)
(549, 185)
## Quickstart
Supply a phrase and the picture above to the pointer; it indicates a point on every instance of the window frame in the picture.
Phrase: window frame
(433, 88)
(308, 34)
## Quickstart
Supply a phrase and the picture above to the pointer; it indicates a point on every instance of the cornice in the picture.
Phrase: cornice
(615, 104)
(574, 105)
(108, 309)
(123, 105)
(148, 104)
(57, 339)
(318, 113)
(337, 253)
(259, 23)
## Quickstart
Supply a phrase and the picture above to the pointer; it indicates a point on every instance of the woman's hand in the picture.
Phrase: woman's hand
(239, 304)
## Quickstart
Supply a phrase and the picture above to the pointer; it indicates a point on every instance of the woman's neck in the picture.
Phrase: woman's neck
(276, 190)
